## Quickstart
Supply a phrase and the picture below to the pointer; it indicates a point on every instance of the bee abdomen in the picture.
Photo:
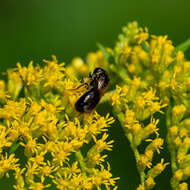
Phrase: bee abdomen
(88, 101)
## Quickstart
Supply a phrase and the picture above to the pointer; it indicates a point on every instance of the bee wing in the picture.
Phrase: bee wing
(77, 89)
(88, 101)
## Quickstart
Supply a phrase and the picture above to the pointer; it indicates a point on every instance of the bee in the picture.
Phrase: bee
(98, 83)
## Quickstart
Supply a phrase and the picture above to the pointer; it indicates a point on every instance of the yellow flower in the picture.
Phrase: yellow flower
(157, 169)
(31, 146)
(30, 75)
(95, 60)
(140, 187)
(46, 170)
(3, 138)
(20, 183)
(31, 170)
(144, 161)
(13, 109)
(79, 66)
(157, 144)
(101, 144)
(183, 186)
(8, 163)
(38, 185)
(14, 83)
(150, 183)
(142, 36)
(173, 131)
(3, 93)
(178, 175)
(53, 73)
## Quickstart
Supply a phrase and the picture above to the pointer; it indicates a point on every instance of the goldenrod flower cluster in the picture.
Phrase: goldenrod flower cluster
(43, 141)
(154, 77)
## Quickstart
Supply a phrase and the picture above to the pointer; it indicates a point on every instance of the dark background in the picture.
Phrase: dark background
(36, 29)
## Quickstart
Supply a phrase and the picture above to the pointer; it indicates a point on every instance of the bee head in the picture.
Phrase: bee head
(99, 71)
(100, 78)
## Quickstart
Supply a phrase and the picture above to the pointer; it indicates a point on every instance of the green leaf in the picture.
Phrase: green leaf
(14, 147)
(103, 49)
(184, 46)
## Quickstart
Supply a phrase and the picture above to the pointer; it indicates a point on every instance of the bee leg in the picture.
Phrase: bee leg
(83, 84)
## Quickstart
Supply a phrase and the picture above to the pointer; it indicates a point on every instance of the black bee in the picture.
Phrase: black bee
(99, 82)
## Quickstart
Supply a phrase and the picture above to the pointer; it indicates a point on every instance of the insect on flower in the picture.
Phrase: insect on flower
(98, 84)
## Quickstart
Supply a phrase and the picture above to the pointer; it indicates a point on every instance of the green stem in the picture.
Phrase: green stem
(171, 146)
(133, 147)
(137, 157)
(80, 159)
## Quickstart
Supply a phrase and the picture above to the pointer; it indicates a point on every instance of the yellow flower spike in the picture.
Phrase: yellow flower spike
(183, 186)
(150, 183)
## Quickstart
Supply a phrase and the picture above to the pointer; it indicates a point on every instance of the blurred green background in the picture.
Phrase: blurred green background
(36, 29)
